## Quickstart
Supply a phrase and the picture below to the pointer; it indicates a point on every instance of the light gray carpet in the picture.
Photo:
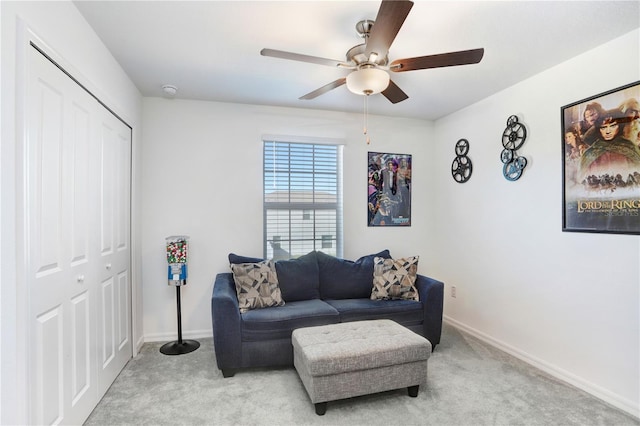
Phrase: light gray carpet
(470, 383)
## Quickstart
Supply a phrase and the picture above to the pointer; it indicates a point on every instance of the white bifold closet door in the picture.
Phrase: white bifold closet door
(76, 197)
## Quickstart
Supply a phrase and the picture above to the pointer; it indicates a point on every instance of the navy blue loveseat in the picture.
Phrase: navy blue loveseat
(318, 289)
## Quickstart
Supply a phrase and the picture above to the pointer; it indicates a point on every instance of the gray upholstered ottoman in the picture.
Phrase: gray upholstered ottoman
(356, 358)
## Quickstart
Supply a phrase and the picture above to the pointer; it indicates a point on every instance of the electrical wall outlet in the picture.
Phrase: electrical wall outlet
(453, 291)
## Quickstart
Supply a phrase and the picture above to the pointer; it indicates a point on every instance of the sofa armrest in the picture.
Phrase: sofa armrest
(431, 292)
(226, 321)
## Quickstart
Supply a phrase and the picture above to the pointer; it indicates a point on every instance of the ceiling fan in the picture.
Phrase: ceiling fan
(369, 61)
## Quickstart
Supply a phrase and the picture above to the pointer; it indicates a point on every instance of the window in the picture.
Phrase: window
(302, 199)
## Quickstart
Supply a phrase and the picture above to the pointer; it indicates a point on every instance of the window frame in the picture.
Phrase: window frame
(318, 239)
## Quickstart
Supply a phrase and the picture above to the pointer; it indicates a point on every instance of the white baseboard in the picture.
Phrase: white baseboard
(168, 337)
(557, 372)
(139, 344)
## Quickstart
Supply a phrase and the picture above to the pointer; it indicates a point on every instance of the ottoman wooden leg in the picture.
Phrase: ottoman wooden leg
(413, 391)
(321, 408)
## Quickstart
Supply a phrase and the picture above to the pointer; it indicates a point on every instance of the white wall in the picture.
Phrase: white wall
(66, 33)
(567, 302)
(202, 164)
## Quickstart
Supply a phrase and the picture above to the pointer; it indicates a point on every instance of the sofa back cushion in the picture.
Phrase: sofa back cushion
(235, 259)
(299, 278)
(345, 279)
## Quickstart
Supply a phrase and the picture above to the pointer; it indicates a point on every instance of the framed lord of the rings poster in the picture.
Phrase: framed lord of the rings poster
(601, 162)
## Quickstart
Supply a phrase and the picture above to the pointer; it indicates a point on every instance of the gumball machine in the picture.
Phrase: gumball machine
(177, 256)
(177, 252)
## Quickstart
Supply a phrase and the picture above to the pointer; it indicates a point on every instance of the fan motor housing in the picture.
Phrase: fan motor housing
(356, 55)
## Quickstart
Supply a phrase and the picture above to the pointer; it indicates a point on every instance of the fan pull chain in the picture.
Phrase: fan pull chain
(366, 97)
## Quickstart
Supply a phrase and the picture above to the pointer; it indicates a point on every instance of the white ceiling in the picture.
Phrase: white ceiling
(210, 50)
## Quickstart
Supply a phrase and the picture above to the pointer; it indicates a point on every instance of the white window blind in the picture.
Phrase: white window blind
(302, 199)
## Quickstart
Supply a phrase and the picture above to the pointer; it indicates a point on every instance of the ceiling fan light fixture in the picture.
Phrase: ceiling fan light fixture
(367, 81)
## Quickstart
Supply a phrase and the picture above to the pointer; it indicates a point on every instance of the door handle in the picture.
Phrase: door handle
(80, 278)
(108, 266)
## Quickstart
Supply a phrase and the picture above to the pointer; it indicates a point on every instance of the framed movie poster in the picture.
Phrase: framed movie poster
(389, 189)
(601, 162)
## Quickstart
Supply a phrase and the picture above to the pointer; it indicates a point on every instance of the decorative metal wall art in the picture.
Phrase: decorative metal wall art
(512, 139)
(461, 168)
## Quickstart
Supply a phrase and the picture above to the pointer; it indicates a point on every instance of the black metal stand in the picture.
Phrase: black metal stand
(180, 346)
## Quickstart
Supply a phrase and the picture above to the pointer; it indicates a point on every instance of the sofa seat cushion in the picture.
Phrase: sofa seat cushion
(405, 312)
(280, 321)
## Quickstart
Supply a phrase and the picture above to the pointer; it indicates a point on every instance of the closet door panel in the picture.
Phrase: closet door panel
(81, 379)
(123, 303)
(74, 223)
(50, 367)
(83, 183)
(114, 187)
(57, 118)
(45, 179)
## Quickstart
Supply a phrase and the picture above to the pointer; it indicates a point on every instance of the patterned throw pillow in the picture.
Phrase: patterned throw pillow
(256, 285)
(395, 278)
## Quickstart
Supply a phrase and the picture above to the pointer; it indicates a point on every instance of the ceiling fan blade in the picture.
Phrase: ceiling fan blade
(464, 57)
(324, 89)
(391, 16)
(394, 93)
(299, 57)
